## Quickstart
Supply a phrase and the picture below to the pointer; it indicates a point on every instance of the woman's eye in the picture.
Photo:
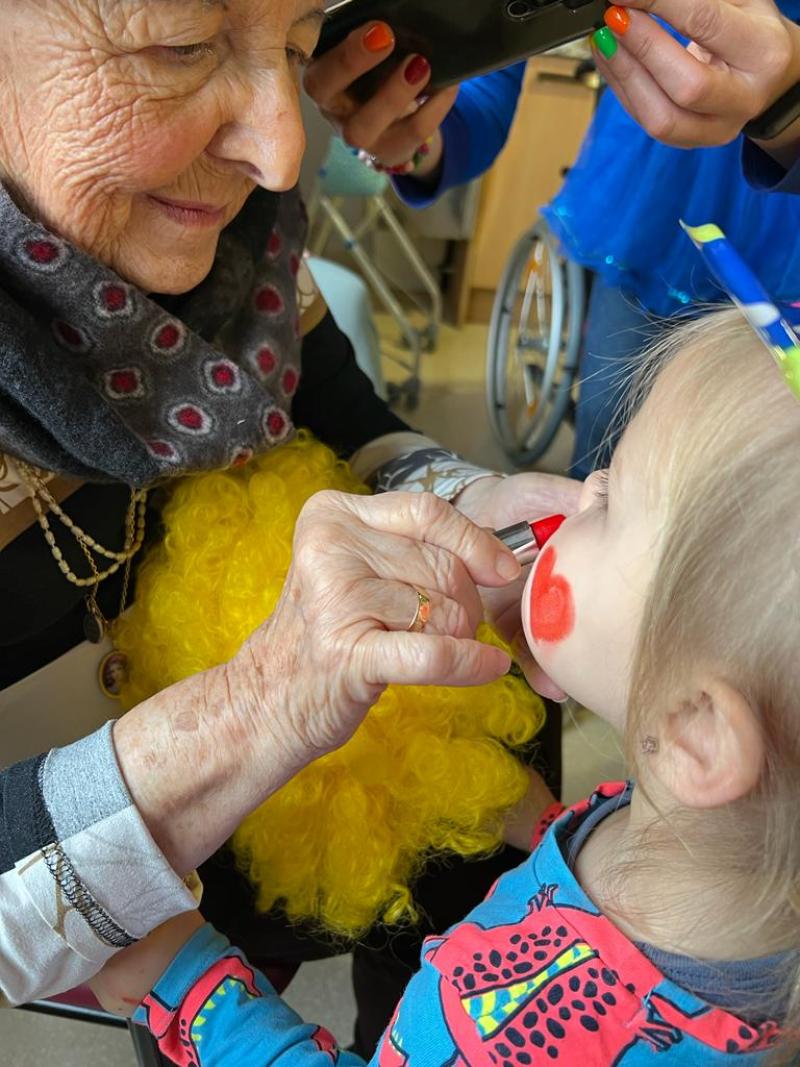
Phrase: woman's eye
(296, 57)
(192, 51)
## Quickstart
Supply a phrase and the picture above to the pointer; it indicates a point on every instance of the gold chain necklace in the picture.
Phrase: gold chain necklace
(95, 624)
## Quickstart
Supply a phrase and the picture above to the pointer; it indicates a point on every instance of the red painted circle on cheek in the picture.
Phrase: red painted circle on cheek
(552, 612)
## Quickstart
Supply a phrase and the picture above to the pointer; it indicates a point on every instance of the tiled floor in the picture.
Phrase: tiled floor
(452, 410)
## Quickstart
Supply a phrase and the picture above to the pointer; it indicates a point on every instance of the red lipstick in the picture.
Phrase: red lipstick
(523, 537)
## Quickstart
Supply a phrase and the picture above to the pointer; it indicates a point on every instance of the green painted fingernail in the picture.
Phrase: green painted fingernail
(606, 42)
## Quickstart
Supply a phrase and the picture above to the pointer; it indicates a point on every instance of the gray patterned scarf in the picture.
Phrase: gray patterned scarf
(105, 383)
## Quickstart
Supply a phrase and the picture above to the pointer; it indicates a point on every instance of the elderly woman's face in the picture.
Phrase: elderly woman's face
(138, 128)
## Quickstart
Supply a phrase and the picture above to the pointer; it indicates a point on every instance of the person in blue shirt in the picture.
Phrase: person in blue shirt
(617, 213)
(684, 99)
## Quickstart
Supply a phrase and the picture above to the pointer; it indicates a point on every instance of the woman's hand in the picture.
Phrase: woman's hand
(744, 55)
(498, 502)
(201, 755)
(339, 634)
(398, 118)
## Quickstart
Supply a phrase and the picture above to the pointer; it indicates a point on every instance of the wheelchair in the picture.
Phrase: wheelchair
(534, 345)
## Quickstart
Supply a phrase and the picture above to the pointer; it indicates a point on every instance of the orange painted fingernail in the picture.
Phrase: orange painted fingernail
(378, 37)
(618, 20)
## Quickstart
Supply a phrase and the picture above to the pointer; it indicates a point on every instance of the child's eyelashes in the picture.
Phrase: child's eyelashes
(600, 487)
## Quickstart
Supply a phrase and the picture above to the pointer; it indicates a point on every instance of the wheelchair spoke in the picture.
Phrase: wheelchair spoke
(532, 354)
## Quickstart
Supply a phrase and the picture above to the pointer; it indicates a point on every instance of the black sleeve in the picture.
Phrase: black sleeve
(42, 614)
(335, 399)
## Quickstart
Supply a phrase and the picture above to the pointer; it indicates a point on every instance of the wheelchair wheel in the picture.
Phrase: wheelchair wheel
(534, 344)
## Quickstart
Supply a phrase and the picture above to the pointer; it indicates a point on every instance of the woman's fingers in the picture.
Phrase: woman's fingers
(427, 567)
(697, 86)
(702, 80)
(330, 76)
(424, 517)
(401, 140)
(389, 103)
(743, 56)
(646, 102)
(428, 659)
(723, 28)
(395, 605)
(397, 118)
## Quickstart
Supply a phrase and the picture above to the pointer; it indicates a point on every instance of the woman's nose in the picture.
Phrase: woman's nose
(265, 136)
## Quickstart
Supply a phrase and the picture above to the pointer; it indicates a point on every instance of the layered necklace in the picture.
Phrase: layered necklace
(102, 562)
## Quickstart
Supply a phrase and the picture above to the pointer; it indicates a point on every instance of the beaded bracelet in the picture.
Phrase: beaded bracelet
(398, 168)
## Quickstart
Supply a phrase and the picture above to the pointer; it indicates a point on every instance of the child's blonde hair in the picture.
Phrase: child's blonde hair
(726, 592)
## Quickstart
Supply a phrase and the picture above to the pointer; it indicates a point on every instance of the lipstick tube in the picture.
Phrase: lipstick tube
(525, 539)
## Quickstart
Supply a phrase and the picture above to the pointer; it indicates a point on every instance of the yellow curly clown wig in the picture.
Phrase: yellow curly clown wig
(430, 769)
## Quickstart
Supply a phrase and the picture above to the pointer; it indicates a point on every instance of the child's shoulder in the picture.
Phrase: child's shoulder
(537, 968)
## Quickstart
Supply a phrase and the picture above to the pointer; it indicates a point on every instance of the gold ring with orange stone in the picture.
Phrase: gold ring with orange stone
(422, 614)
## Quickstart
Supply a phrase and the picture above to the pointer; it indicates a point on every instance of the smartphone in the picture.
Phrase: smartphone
(461, 38)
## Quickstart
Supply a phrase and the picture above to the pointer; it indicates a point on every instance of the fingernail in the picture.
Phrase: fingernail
(618, 20)
(507, 566)
(377, 37)
(605, 42)
(416, 70)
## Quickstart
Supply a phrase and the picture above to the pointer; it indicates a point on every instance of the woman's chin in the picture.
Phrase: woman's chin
(168, 273)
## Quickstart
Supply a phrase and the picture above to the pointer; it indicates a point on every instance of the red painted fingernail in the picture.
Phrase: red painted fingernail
(378, 37)
(416, 70)
(618, 20)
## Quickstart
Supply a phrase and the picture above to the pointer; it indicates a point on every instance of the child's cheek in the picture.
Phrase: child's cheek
(548, 606)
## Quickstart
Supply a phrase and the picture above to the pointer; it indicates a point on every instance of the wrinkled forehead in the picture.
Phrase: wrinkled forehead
(186, 13)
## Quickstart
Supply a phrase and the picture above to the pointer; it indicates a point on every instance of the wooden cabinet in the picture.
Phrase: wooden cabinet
(554, 111)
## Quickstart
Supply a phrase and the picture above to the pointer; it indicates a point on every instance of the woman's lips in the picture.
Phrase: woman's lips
(189, 212)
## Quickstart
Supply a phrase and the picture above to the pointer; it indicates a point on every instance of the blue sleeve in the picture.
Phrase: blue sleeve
(212, 1009)
(474, 133)
(765, 173)
(761, 171)
(419, 1031)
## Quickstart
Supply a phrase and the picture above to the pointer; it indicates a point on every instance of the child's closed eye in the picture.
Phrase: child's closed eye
(600, 487)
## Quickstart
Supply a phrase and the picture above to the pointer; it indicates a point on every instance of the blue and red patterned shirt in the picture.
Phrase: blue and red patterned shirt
(534, 975)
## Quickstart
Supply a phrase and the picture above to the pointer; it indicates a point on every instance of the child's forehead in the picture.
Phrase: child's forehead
(668, 409)
(644, 452)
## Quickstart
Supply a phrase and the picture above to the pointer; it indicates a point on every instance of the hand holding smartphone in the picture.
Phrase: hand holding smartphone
(461, 38)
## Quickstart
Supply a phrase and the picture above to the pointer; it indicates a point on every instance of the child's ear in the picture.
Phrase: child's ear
(711, 751)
